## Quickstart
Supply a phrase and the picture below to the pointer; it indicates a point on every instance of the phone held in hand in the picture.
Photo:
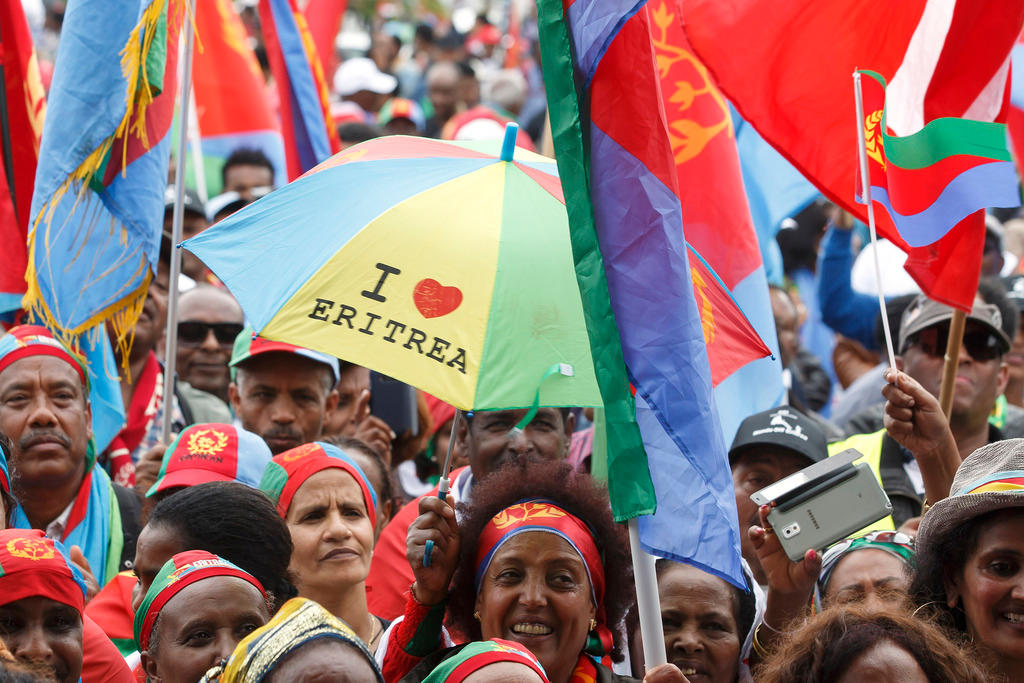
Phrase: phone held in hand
(823, 503)
(395, 403)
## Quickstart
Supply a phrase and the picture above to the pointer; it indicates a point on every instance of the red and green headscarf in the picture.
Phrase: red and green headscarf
(289, 470)
(475, 656)
(539, 515)
(181, 571)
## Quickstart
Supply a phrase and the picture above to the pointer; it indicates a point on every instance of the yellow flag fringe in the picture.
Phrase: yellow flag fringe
(139, 94)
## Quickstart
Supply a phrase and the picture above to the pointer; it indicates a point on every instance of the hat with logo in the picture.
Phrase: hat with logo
(212, 452)
(32, 565)
(361, 73)
(248, 344)
(782, 427)
(922, 313)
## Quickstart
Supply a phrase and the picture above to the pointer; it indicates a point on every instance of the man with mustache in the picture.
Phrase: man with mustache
(44, 410)
(281, 391)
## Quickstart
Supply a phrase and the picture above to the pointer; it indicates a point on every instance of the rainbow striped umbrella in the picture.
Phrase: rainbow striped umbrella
(445, 265)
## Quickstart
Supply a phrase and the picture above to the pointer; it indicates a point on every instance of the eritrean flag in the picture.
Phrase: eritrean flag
(98, 206)
(930, 181)
(621, 191)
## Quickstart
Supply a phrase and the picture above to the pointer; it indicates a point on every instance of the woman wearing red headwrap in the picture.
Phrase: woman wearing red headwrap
(537, 560)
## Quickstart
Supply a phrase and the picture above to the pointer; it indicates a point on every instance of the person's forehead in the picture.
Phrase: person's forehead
(684, 580)
(539, 546)
(355, 376)
(209, 305)
(245, 169)
(43, 369)
(281, 368)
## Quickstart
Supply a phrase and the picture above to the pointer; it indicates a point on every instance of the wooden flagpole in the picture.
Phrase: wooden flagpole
(952, 360)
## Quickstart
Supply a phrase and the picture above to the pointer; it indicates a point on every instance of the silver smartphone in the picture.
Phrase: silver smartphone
(823, 503)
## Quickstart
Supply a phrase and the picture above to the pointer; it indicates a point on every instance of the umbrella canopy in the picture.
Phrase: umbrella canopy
(441, 264)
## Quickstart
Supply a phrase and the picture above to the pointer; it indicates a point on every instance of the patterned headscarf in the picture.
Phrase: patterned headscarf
(289, 470)
(545, 516)
(299, 621)
(475, 656)
(179, 572)
(892, 542)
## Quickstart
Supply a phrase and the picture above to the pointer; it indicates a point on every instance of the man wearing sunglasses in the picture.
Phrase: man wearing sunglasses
(907, 468)
(209, 320)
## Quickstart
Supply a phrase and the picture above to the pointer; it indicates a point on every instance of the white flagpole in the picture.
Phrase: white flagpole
(171, 338)
(648, 605)
(866, 189)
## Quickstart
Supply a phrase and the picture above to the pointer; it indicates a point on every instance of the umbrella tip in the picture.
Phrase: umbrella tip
(508, 147)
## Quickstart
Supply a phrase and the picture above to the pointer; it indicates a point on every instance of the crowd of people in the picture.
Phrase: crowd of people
(287, 529)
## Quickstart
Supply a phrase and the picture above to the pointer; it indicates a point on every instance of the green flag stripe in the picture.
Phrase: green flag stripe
(629, 480)
(943, 138)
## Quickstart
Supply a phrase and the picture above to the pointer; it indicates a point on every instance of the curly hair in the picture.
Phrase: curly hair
(826, 645)
(573, 491)
(238, 523)
(939, 559)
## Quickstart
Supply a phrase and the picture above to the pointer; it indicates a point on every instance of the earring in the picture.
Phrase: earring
(593, 624)
(476, 615)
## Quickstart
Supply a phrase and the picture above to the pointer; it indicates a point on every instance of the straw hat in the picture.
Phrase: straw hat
(991, 478)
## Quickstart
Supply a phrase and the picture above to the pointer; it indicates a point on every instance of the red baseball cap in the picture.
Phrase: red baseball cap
(212, 452)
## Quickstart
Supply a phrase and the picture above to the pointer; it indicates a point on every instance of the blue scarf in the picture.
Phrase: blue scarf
(94, 523)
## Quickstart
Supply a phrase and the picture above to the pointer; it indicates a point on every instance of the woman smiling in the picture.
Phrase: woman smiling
(537, 560)
(970, 556)
(330, 508)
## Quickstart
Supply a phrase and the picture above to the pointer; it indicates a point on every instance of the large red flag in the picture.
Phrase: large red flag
(787, 67)
(719, 228)
(324, 19)
(24, 107)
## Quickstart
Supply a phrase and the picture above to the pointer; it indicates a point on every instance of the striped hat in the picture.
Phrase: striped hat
(991, 478)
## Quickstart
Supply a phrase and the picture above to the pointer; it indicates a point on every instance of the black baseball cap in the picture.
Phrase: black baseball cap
(781, 427)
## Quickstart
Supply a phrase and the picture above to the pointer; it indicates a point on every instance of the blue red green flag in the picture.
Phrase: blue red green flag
(665, 447)
(928, 182)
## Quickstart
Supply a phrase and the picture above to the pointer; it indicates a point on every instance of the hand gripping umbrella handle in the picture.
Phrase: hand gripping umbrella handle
(445, 484)
(442, 493)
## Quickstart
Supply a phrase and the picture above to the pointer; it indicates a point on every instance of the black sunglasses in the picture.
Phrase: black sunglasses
(194, 333)
(981, 344)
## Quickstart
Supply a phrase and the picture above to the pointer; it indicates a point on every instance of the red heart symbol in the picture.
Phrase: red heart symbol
(433, 299)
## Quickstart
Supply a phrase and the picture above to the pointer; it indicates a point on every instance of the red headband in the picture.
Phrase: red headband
(36, 340)
(302, 462)
(179, 572)
(544, 516)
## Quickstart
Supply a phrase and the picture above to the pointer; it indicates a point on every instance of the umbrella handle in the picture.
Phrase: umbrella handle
(428, 547)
